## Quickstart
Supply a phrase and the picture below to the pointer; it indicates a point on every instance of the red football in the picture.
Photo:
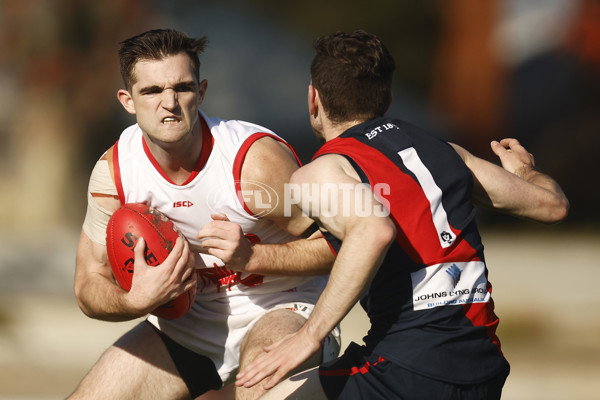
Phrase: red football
(125, 226)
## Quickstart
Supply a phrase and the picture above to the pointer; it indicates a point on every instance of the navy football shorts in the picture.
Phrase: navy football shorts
(358, 374)
(197, 371)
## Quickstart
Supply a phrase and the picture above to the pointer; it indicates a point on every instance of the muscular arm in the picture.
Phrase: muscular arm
(517, 189)
(97, 293)
(366, 239)
(271, 164)
(95, 289)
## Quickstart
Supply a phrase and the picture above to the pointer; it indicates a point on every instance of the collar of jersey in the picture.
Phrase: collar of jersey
(207, 145)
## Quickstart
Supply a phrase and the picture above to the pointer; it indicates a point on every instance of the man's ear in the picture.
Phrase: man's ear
(202, 86)
(126, 100)
(390, 99)
(313, 101)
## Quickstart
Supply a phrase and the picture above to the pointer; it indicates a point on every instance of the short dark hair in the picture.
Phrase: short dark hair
(353, 74)
(157, 44)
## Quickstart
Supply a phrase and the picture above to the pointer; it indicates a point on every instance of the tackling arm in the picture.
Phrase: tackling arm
(517, 189)
(365, 235)
(366, 239)
(270, 163)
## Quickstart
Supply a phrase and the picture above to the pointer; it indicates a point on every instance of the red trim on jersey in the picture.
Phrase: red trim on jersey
(416, 232)
(330, 246)
(350, 371)
(239, 161)
(482, 314)
(207, 145)
(333, 242)
(117, 173)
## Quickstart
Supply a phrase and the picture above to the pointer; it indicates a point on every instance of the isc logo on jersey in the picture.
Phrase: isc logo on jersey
(185, 203)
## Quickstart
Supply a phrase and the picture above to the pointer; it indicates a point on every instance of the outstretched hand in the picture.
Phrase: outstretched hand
(514, 157)
(225, 239)
(278, 361)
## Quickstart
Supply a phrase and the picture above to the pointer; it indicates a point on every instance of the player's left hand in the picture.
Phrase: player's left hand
(278, 361)
(514, 157)
(225, 239)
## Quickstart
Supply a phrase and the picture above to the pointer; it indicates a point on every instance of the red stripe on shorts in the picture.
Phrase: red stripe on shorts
(351, 371)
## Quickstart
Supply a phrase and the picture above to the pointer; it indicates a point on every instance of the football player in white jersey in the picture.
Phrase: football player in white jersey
(172, 159)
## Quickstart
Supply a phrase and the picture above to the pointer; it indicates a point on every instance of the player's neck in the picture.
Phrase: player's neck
(178, 160)
(331, 130)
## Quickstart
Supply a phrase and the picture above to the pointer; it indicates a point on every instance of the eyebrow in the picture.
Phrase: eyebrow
(157, 88)
(151, 89)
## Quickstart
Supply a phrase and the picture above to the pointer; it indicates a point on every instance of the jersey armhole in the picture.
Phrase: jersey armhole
(239, 161)
(334, 243)
(361, 174)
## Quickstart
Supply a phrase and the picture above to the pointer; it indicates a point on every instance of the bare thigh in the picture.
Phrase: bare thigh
(137, 366)
(273, 326)
(225, 393)
(304, 385)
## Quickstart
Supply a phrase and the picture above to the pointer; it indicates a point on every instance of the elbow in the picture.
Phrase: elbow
(82, 302)
(385, 233)
(377, 233)
(559, 211)
(88, 313)
(390, 232)
(555, 212)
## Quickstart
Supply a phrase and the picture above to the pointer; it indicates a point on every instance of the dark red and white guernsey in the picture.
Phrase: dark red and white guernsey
(430, 302)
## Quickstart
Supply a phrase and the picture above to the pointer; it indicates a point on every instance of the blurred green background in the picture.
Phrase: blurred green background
(468, 71)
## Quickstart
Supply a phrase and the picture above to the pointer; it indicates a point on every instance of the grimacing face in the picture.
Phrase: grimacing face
(165, 98)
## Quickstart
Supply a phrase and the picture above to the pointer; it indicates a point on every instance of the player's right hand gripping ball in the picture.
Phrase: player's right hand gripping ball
(125, 226)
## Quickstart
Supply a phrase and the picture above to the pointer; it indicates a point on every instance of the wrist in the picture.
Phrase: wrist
(526, 172)
(251, 263)
(313, 332)
(133, 307)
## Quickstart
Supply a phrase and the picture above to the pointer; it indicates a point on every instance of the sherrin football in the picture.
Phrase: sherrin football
(126, 225)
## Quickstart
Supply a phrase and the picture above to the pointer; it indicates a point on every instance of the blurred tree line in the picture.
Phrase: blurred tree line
(59, 72)
(58, 68)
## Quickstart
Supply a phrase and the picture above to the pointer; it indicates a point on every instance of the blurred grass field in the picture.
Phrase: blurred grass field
(545, 287)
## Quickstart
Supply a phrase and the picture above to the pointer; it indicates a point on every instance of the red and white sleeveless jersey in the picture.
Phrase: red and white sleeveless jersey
(214, 186)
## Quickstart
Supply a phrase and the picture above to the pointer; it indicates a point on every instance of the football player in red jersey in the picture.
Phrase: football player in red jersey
(418, 271)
